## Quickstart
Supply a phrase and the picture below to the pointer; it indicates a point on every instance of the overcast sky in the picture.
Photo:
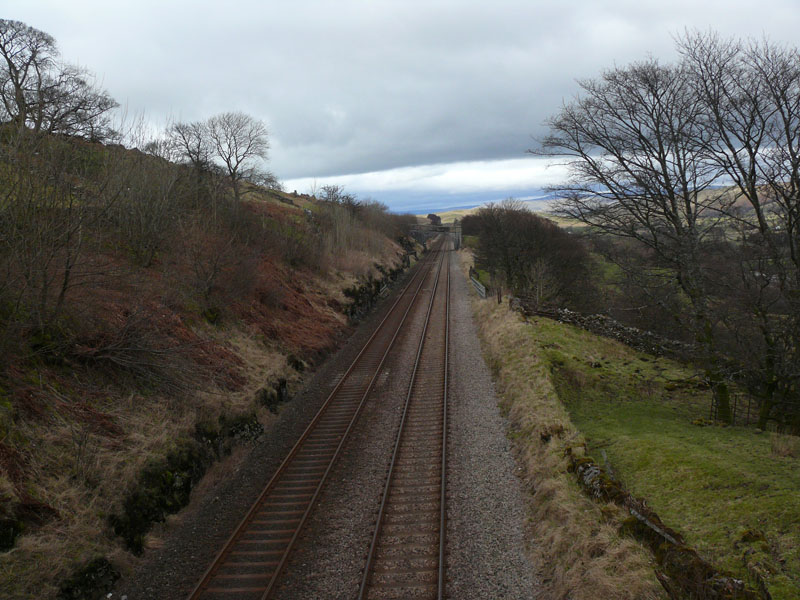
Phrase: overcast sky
(410, 102)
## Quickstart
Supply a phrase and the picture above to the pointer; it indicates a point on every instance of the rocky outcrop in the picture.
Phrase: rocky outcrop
(165, 485)
(272, 396)
(364, 295)
(90, 582)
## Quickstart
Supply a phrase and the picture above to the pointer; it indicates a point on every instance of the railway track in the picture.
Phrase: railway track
(406, 557)
(251, 561)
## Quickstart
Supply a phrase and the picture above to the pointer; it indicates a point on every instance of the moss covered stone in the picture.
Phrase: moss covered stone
(212, 314)
(364, 295)
(681, 569)
(272, 396)
(91, 581)
(165, 485)
(595, 481)
(9, 530)
(296, 363)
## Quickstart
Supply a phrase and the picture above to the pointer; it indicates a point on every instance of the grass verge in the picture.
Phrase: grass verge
(577, 549)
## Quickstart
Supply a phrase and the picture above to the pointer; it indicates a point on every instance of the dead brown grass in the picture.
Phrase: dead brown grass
(576, 547)
(784, 446)
(82, 473)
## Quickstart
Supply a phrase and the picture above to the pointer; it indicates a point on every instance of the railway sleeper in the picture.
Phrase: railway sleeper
(406, 519)
(427, 507)
(406, 562)
(409, 537)
(395, 529)
(414, 591)
(424, 576)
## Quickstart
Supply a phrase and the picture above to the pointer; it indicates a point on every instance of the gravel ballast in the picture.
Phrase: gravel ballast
(486, 511)
(486, 500)
(486, 556)
(329, 558)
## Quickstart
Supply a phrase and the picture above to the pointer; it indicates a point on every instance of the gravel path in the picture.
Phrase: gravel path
(486, 512)
(485, 539)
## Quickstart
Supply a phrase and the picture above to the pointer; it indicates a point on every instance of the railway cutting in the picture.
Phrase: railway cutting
(251, 563)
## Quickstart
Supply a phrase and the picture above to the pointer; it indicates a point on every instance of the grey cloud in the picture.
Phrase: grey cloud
(355, 86)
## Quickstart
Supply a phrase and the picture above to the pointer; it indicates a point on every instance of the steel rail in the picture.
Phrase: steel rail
(365, 581)
(420, 276)
(443, 493)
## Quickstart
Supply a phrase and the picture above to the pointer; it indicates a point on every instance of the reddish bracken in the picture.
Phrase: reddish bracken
(285, 308)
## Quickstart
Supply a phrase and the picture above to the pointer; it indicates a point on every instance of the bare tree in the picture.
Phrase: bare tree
(751, 96)
(28, 54)
(40, 92)
(268, 180)
(192, 143)
(71, 103)
(238, 141)
(633, 144)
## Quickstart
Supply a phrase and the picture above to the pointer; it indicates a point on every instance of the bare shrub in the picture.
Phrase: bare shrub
(146, 212)
(139, 341)
(299, 246)
(209, 250)
(347, 225)
(57, 193)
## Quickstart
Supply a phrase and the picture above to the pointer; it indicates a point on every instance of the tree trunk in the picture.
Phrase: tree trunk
(722, 397)
(764, 411)
(770, 377)
(714, 373)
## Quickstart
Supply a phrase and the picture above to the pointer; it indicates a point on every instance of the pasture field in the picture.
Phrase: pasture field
(732, 492)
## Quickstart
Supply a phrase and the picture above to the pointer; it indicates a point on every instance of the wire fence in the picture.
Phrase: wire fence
(744, 410)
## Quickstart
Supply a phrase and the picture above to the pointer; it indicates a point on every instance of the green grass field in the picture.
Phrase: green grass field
(733, 492)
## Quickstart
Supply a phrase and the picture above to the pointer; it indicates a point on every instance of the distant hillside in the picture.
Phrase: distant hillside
(534, 205)
(724, 195)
